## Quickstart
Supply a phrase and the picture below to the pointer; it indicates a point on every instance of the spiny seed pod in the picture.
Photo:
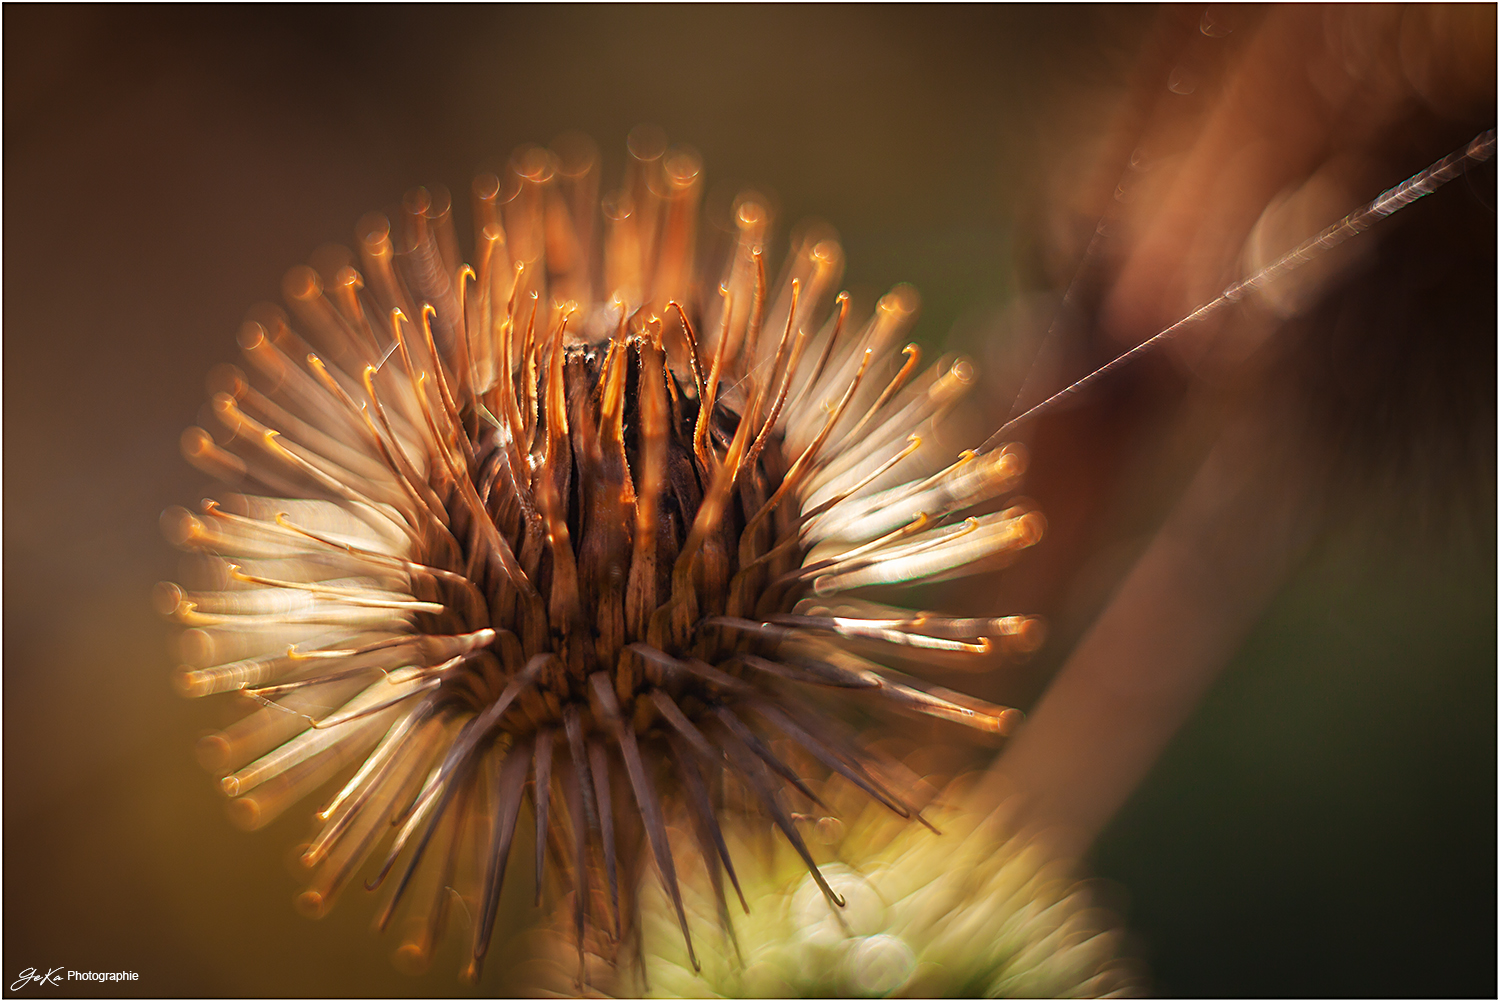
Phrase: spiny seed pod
(537, 529)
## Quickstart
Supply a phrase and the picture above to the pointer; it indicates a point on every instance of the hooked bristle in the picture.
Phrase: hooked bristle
(574, 528)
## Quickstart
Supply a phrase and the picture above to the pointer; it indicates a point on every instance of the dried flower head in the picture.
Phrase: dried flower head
(588, 536)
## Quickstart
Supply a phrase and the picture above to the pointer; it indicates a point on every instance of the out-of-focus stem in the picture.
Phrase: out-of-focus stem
(1176, 621)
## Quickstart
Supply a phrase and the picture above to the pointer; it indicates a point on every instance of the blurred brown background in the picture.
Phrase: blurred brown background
(1325, 824)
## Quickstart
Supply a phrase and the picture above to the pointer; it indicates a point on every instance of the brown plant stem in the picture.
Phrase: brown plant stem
(1177, 619)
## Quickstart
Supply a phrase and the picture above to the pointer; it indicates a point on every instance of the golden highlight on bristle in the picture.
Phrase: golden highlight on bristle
(578, 525)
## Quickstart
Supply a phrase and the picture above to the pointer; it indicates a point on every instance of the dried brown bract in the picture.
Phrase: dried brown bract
(575, 526)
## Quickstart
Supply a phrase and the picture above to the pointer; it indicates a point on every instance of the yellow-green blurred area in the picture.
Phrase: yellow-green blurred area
(1324, 825)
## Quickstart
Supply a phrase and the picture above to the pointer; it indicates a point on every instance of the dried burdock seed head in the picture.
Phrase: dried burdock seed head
(585, 529)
